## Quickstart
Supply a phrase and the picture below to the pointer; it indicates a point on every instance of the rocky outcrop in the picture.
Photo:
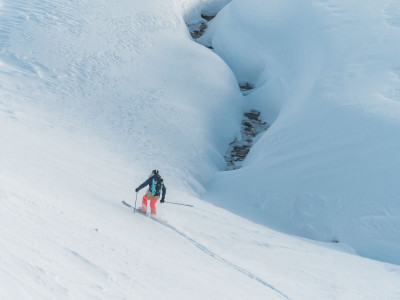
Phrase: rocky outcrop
(240, 146)
(198, 29)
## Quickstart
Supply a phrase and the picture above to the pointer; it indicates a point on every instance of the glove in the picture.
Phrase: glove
(136, 190)
(162, 200)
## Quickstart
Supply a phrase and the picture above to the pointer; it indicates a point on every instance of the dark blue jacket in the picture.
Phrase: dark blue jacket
(149, 183)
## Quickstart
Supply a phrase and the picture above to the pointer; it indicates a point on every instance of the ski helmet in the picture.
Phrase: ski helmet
(154, 172)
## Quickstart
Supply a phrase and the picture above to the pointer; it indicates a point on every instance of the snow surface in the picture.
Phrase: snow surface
(94, 95)
(327, 78)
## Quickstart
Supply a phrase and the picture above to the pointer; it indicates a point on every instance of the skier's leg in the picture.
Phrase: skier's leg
(144, 204)
(153, 207)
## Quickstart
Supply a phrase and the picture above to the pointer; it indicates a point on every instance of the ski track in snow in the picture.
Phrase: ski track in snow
(221, 259)
(214, 255)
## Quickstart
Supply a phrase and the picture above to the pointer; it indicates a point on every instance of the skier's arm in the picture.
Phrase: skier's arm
(147, 182)
(164, 191)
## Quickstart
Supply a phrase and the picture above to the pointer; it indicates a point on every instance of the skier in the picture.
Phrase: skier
(156, 185)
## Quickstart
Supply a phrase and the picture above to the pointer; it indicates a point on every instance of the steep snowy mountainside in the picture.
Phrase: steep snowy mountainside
(124, 75)
(65, 234)
(326, 77)
(93, 96)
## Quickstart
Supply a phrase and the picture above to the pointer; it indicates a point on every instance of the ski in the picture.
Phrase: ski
(189, 205)
(127, 204)
(138, 210)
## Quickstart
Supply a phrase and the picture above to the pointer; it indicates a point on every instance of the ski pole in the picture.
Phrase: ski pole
(134, 210)
(179, 203)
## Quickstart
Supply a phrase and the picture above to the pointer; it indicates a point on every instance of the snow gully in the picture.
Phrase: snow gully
(251, 124)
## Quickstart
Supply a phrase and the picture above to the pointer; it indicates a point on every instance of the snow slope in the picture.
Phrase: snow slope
(327, 78)
(106, 71)
(85, 90)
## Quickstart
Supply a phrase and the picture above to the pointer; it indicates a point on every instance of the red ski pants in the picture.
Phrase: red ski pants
(152, 205)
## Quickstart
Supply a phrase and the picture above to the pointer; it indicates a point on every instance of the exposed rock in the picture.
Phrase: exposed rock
(246, 87)
(239, 148)
(197, 30)
(206, 17)
(253, 115)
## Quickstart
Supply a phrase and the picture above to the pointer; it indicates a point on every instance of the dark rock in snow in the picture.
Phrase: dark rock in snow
(197, 30)
(246, 87)
(252, 115)
(240, 148)
(206, 17)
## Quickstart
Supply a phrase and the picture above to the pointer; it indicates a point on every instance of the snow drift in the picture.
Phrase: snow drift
(327, 78)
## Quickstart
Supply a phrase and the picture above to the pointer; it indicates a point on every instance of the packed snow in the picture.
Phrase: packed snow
(96, 94)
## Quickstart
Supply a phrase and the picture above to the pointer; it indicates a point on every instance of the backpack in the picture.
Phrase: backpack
(157, 186)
